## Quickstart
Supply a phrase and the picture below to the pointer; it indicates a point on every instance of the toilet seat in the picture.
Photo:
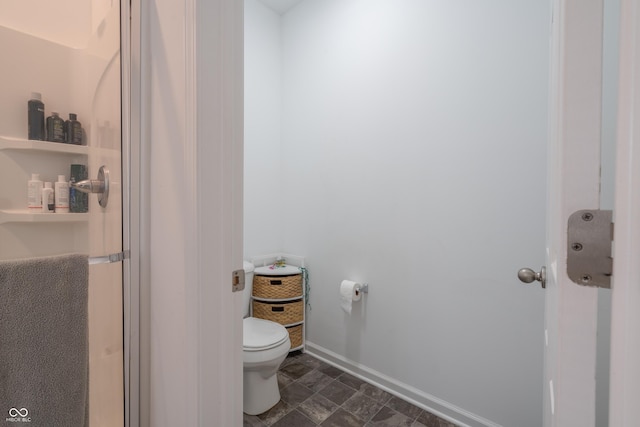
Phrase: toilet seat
(261, 334)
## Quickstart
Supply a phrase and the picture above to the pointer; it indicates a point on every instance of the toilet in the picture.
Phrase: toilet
(265, 345)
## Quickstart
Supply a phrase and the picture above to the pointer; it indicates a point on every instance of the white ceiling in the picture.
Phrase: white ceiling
(280, 6)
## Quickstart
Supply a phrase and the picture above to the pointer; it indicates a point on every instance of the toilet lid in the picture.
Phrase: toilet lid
(260, 334)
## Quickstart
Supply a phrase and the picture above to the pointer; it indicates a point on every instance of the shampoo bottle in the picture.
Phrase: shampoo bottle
(55, 128)
(35, 119)
(48, 203)
(78, 201)
(74, 130)
(62, 195)
(34, 193)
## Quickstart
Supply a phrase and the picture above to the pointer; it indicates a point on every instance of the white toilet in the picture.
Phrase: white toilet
(265, 346)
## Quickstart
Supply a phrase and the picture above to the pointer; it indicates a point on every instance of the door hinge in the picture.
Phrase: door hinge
(589, 243)
(237, 281)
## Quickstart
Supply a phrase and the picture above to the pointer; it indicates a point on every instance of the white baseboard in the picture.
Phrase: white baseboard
(439, 407)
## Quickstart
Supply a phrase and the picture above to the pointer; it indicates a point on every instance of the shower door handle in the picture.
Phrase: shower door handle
(99, 186)
(527, 275)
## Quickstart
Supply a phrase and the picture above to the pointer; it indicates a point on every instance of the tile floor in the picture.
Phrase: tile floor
(314, 393)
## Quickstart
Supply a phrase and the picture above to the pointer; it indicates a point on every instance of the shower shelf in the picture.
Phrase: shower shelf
(17, 215)
(9, 143)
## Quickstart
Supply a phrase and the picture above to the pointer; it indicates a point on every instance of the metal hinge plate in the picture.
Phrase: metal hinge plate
(589, 237)
(237, 281)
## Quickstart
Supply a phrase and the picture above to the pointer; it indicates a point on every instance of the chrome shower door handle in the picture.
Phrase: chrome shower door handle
(99, 186)
(527, 275)
(89, 186)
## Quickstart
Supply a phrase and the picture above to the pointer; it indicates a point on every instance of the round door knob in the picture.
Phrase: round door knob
(527, 275)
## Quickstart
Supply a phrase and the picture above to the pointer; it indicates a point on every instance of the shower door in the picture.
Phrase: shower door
(68, 51)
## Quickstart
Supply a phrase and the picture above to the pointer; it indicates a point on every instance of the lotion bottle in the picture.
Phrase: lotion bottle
(34, 193)
(48, 203)
(62, 195)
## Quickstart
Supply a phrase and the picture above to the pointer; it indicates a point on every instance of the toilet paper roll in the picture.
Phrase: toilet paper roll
(349, 292)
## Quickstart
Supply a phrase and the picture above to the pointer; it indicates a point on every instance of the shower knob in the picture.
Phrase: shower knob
(527, 275)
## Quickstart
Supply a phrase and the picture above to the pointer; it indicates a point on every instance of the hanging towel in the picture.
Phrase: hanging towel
(44, 363)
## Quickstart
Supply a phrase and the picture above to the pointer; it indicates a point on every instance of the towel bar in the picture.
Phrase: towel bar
(108, 259)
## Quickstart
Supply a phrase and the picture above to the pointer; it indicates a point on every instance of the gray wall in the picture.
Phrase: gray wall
(412, 156)
(263, 125)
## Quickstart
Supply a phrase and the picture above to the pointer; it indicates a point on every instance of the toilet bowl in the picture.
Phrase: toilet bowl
(265, 345)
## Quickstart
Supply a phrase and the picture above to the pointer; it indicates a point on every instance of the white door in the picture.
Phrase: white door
(574, 184)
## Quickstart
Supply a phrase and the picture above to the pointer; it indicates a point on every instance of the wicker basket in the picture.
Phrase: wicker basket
(277, 287)
(284, 313)
(295, 335)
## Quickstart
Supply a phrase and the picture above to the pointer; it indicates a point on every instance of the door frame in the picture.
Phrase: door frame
(187, 59)
(574, 184)
(578, 34)
(625, 332)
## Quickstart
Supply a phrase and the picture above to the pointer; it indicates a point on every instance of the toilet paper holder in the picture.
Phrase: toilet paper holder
(364, 288)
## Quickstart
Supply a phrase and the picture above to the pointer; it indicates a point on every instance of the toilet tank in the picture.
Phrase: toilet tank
(248, 286)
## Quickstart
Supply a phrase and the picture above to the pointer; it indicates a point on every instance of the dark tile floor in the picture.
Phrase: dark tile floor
(314, 393)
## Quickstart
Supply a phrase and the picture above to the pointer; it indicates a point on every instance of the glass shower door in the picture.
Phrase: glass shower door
(69, 52)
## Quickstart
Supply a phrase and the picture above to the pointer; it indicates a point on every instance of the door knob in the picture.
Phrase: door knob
(527, 275)
(99, 186)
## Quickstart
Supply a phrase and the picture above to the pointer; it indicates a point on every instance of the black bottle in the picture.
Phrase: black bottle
(35, 117)
(73, 129)
(78, 201)
(55, 128)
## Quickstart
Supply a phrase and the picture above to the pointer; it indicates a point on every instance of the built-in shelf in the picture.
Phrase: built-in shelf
(18, 215)
(10, 143)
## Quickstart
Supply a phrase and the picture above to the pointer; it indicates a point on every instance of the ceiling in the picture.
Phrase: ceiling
(280, 6)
